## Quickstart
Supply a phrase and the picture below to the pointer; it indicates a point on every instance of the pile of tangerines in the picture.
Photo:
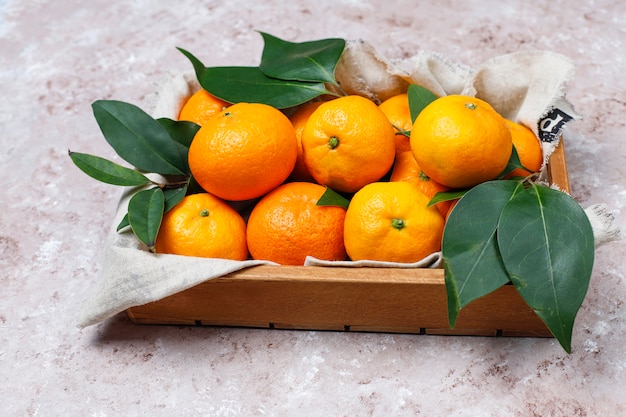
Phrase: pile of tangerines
(278, 165)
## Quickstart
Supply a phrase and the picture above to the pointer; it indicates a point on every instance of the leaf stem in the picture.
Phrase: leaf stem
(338, 87)
(176, 184)
(406, 133)
(531, 179)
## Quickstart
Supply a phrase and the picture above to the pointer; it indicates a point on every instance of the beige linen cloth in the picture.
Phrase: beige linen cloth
(527, 86)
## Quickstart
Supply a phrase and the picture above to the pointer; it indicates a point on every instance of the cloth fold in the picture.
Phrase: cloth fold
(434, 260)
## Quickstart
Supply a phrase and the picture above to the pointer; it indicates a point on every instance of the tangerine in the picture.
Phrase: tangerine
(203, 225)
(200, 107)
(391, 221)
(397, 110)
(298, 119)
(243, 152)
(347, 143)
(286, 225)
(407, 169)
(528, 149)
(461, 141)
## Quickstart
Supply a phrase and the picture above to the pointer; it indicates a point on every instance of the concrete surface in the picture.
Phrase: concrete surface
(58, 57)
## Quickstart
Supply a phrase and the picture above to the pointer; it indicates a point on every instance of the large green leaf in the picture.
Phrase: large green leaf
(145, 212)
(547, 245)
(107, 171)
(312, 61)
(419, 98)
(473, 267)
(181, 131)
(250, 85)
(139, 139)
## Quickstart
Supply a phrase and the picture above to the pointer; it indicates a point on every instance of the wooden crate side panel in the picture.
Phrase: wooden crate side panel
(405, 307)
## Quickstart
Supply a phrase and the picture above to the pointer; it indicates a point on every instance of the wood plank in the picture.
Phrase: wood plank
(388, 300)
(557, 168)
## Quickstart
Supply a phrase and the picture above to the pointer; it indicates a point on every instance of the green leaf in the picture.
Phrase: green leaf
(124, 223)
(173, 196)
(312, 61)
(250, 85)
(181, 131)
(333, 198)
(198, 66)
(145, 212)
(419, 98)
(139, 139)
(547, 246)
(473, 267)
(514, 163)
(107, 171)
(447, 196)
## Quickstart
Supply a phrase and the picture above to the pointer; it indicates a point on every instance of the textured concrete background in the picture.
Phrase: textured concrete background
(58, 57)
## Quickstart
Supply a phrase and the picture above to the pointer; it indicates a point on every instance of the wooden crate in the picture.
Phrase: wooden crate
(348, 299)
